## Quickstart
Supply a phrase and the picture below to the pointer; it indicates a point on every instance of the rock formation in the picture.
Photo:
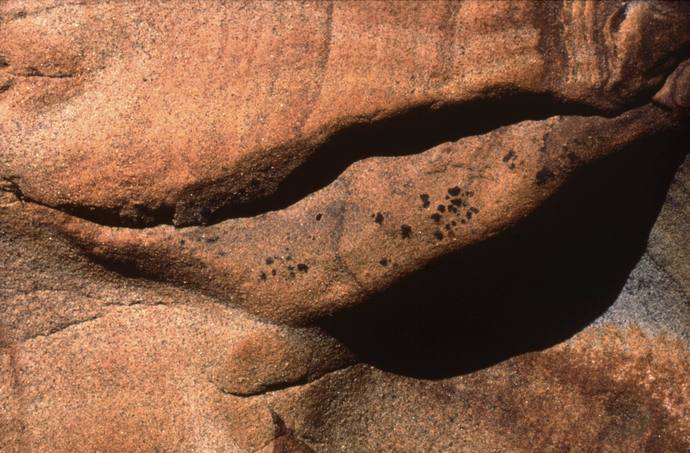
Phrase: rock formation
(344, 226)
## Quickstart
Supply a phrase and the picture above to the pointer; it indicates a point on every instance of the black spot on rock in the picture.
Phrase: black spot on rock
(511, 166)
(544, 175)
(510, 156)
(469, 215)
(291, 268)
(302, 267)
(425, 200)
(318, 216)
(438, 235)
(475, 210)
(454, 191)
(182, 241)
(405, 231)
(273, 272)
(383, 262)
(378, 218)
(441, 208)
(263, 276)
(456, 202)
(436, 217)
(269, 260)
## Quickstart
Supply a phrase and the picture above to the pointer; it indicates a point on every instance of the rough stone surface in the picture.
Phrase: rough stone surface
(346, 226)
(172, 112)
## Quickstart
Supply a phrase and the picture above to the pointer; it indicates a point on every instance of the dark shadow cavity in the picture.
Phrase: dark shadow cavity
(527, 289)
(406, 133)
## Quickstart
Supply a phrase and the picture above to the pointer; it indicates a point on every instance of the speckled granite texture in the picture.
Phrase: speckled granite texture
(344, 226)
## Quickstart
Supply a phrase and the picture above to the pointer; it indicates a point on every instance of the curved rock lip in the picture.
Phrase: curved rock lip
(381, 220)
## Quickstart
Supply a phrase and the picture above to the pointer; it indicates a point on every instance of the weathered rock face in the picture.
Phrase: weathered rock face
(172, 112)
(344, 226)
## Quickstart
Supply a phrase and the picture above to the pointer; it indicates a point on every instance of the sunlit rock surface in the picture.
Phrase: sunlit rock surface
(344, 226)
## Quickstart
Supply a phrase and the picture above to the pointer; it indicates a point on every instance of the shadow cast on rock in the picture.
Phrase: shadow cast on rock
(528, 288)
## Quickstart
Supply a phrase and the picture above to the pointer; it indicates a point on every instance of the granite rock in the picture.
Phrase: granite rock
(344, 226)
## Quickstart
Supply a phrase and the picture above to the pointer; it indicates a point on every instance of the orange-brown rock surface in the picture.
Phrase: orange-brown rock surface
(344, 226)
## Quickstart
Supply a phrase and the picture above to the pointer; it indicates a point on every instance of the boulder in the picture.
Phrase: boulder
(344, 226)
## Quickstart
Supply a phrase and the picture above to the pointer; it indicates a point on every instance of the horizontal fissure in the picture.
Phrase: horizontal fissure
(408, 132)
